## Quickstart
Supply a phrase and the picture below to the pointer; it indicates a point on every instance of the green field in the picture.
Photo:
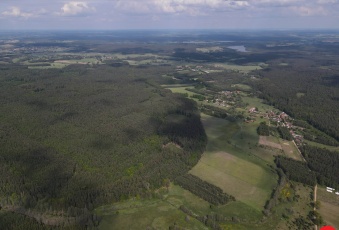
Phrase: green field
(163, 211)
(52, 65)
(242, 87)
(158, 213)
(330, 214)
(182, 89)
(332, 148)
(329, 206)
(227, 166)
(61, 63)
(257, 102)
(290, 150)
(240, 68)
(280, 147)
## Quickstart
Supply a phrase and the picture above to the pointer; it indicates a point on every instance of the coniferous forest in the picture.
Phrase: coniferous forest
(75, 138)
(322, 167)
(308, 94)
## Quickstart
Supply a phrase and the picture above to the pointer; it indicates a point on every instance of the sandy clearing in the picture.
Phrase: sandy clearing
(264, 141)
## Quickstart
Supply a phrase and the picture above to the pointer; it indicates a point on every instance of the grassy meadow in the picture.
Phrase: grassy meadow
(182, 90)
(329, 206)
(240, 68)
(156, 213)
(227, 166)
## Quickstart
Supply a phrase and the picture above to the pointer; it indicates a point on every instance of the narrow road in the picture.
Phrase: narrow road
(315, 194)
(315, 200)
(302, 157)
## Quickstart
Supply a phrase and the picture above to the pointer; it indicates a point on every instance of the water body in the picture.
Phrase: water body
(238, 48)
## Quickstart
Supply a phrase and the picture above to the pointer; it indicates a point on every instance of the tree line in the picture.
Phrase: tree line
(204, 190)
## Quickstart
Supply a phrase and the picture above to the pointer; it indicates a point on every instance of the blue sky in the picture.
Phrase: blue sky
(169, 14)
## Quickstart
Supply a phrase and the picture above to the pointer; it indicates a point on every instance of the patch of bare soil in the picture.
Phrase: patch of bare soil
(264, 141)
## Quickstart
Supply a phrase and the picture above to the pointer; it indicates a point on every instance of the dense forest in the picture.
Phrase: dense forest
(296, 170)
(203, 189)
(322, 167)
(285, 133)
(263, 129)
(78, 137)
(304, 92)
(325, 163)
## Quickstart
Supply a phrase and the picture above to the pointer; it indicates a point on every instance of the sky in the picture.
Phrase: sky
(168, 14)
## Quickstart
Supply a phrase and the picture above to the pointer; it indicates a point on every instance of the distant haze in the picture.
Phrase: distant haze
(169, 14)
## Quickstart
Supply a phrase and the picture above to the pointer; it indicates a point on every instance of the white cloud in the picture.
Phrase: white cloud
(327, 1)
(16, 12)
(190, 7)
(277, 3)
(76, 9)
(169, 13)
(133, 6)
(309, 11)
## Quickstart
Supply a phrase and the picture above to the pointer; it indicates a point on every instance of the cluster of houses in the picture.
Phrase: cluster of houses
(281, 118)
(197, 68)
(252, 117)
(220, 102)
(278, 117)
(229, 95)
(331, 190)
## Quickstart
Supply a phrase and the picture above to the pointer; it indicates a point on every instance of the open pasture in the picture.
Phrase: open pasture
(242, 87)
(258, 103)
(227, 166)
(157, 213)
(270, 141)
(183, 90)
(163, 211)
(283, 147)
(61, 63)
(331, 148)
(240, 68)
(329, 206)
(290, 150)
(330, 213)
(245, 180)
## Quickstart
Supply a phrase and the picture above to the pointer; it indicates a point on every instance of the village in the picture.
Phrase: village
(232, 99)
(197, 68)
(278, 119)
